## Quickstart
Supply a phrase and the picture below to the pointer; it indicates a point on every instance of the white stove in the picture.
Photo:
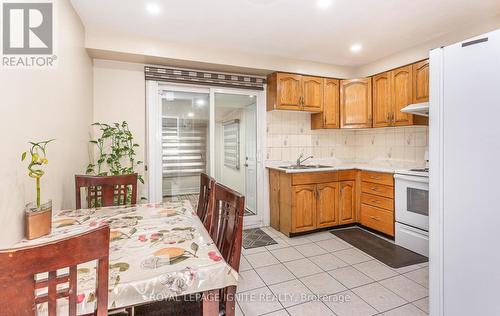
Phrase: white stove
(412, 209)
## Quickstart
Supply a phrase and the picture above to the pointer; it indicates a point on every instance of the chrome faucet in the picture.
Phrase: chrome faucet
(300, 161)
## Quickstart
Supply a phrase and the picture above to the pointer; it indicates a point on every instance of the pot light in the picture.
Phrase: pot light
(190, 114)
(200, 102)
(153, 8)
(356, 48)
(323, 4)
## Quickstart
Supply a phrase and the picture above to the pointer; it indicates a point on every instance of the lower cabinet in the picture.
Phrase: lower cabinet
(327, 204)
(302, 202)
(303, 208)
(347, 202)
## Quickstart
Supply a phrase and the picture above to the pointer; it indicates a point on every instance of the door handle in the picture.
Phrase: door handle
(375, 218)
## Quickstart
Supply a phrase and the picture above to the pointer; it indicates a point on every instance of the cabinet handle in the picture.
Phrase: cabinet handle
(376, 201)
(388, 117)
(375, 178)
(375, 218)
(374, 189)
(393, 118)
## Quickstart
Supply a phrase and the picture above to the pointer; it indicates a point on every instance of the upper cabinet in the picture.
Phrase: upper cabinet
(356, 103)
(382, 107)
(294, 92)
(421, 81)
(394, 90)
(401, 88)
(330, 117)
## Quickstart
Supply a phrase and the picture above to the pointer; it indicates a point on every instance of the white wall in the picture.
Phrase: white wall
(235, 179)
(41, 104)
(120, 95)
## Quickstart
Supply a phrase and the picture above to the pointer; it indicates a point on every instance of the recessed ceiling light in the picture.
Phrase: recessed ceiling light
(356, 48)
(200, 102)
(190, 114)
(153, 8)
(323, 4)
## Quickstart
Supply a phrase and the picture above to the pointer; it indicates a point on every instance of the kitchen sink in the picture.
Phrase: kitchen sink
(303, 167)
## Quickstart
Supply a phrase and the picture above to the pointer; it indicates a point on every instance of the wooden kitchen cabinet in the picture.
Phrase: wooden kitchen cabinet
(312, 94)
(377, 201)
(401, 93)
(305, 202)
(392, 91)
(347, 202)
(356, 103)
(382, 108)
(294, 92)
(421, 81)
(330, 117)
(304, 208)
(327, 204)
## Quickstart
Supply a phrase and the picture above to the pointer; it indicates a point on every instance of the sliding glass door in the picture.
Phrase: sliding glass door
(185, 141)
(236, 145)
(206, 130)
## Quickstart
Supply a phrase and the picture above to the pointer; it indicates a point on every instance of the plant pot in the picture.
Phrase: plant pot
(38, 221)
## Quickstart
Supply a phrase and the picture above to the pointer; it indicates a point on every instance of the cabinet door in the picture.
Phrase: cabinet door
(356, 103)
(347, 202)
(327, 208)
(401, 86)
(421, 81)
(331, 103)
(312, 88)
(303, 208)
(382, 100)
(289, 91)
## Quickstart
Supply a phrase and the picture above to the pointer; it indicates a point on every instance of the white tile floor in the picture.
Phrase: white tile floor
(320, 274)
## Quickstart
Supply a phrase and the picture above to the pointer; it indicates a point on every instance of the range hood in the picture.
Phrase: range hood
(421, 109)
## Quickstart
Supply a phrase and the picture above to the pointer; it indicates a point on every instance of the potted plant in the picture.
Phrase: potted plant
(38, 217)
(116, 152)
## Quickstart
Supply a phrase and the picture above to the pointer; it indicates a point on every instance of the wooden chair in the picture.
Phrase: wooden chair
(18, 268)
(205, 200)
(107, 190)
(227, 230)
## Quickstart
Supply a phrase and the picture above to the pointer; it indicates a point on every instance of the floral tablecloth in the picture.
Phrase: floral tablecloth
(157, 251)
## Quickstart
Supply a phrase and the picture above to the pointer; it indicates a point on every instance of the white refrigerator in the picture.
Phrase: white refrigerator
(465, 177)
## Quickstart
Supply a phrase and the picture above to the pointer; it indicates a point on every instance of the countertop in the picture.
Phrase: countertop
(386, 167)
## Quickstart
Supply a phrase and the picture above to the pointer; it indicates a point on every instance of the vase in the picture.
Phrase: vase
(38, 220)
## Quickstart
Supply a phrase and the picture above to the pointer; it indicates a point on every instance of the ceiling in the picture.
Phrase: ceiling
(297, 29)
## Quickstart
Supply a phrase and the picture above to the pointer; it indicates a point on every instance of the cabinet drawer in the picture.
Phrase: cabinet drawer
(377, 189)
(378, 201)
(314, 177)
(347, 175)
(378, 219)
(378, 177)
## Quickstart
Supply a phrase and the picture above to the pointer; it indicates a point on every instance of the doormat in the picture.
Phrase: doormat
(390, 254)
(256, 237)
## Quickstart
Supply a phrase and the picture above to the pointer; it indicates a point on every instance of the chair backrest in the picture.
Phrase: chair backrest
(106, 190)
(18, 268)
(205, 200)
(227, 224)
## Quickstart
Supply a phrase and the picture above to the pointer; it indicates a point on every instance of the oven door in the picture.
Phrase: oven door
(412, 201)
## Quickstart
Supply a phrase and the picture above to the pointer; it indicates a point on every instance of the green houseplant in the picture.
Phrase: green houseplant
(115, 152)
(37, 216)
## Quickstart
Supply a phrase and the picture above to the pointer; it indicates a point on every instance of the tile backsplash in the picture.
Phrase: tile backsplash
(289, 134)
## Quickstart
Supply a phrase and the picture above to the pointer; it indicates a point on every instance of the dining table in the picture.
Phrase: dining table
(156, 252)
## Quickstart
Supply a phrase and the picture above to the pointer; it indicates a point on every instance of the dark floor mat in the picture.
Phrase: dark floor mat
(256, 237)
(390, 254)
